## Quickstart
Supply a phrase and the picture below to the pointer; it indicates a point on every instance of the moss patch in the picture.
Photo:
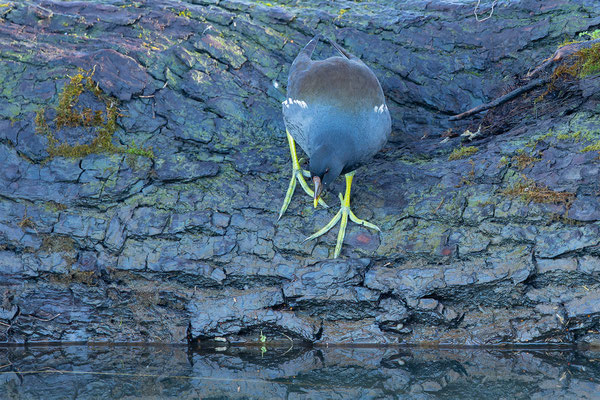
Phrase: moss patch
(462, 152)
(26, 222)
(135, 150)
(88, 278)
(185, 13)
(576, 136)
(581, 64)
(523, 160)
(54, 206)
(591, 35)
(68, 115)
(587, 62)
(591, 147)
(529, 190)
(57, 244)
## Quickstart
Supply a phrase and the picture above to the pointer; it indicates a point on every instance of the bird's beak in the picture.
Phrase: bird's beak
(318, 189)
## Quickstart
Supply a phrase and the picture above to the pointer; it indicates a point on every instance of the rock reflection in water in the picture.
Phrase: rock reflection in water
(88, 372)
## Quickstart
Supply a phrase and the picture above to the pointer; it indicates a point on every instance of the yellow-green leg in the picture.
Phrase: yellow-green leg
(343, 213)
(297, 174)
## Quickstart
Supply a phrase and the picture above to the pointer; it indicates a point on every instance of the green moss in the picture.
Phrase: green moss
(462, 152)
(342, 12)
(533, 142)
(185, 13)
(5, 8)
(577, 136)
(588, 61)
(592, 35)
(41, 126)
(104, 122)
(474, 73)
(54, 206)
(520, 160)
(591, 147)
(57, 244)
(469, 179)
(135, 4)
(524, 160)
(528, 190)
(582, 63)
(139, 151)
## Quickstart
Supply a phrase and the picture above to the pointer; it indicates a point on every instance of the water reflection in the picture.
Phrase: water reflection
(89, 372)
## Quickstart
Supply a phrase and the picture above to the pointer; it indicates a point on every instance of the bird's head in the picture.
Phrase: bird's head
(325, 166)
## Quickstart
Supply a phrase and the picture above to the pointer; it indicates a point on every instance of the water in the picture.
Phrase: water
(158, 372)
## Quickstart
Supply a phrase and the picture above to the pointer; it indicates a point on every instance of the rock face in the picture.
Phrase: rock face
(167, 230)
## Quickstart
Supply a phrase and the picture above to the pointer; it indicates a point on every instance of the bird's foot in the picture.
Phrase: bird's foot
(298, 174)
(342, 214)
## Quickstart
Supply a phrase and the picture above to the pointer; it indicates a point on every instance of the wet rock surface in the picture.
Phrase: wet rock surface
(182, 242)
(249, 373)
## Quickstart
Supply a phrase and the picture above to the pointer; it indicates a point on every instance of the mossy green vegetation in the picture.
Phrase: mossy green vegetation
(341, 13)
(529, 190)
(591, 35)
(577, 136)
(53, 206)
(52, 243)
(587, 62)
(591, 147)
(583, 37)
(185, 13)
(462, 152)
(135, 150)
(520, 160)
(135, 4)
(68, 115)
(581, 64)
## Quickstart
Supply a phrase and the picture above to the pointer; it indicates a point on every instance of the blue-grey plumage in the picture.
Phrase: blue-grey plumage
(335, 110)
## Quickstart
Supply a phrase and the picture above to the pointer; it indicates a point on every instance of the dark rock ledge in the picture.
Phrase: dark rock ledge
(167, 231)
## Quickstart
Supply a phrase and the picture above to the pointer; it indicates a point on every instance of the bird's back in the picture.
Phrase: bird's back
(347, 84)
(338, 99)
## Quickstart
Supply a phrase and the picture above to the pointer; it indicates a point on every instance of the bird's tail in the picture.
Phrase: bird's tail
(310, 46)
(342, 51)
(305, 54)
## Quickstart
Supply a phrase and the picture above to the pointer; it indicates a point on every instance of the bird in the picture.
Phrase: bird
(335, 110)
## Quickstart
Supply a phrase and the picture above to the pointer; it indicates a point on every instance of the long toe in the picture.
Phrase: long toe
(326, 228)
(342, 215)
(362, 222)
(288, 196)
